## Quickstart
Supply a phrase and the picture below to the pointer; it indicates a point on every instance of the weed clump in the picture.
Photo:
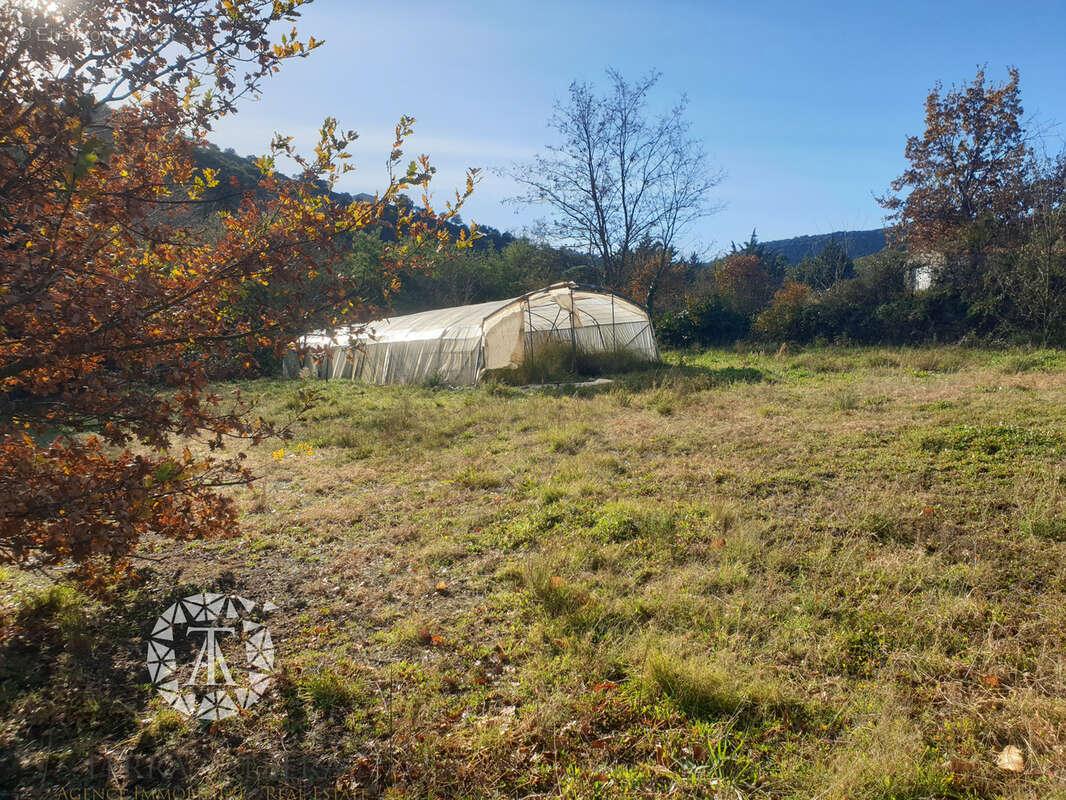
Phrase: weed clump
(622, 521)
(327, 690)
(560, 362)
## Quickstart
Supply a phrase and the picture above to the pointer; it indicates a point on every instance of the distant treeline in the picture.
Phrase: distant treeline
(987, 264)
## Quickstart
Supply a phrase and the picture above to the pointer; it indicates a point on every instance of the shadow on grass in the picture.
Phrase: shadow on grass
(71, 681)
(685, 379)
(693, 376)
(702, 690)
(77, 711)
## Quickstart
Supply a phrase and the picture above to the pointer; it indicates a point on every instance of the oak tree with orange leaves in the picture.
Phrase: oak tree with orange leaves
(966, 185)
(114, 301)
(744, 279)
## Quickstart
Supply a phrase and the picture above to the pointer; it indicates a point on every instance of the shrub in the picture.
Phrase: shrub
(784, 320)
(706, 321)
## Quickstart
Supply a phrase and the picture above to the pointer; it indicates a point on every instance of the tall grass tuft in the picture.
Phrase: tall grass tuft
(558, 362)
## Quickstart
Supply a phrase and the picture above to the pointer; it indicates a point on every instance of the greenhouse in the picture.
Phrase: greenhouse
(458, 345)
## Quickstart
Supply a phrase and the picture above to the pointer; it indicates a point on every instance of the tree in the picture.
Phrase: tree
(618, 176)
(1030, 280)
(536, 265)
(748, 276)
(966, 180)
(654, 271)
(114, 300)
(775, 263)
(744, 280)
(468, 276)
(825, 269)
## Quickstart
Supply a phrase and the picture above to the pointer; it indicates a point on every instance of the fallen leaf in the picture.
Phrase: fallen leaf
(1011, 759)
(959, 767)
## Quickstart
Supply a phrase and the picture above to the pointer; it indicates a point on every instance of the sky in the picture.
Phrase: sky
(805, 106)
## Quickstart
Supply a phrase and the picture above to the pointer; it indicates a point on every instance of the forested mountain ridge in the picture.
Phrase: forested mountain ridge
(228, 164)
(855, 243)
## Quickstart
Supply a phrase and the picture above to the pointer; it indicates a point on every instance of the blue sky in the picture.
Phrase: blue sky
(806, 106)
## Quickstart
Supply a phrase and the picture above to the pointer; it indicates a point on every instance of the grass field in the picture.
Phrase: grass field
(824, 574)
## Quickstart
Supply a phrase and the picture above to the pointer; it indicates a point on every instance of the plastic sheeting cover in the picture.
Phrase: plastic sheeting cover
(456, 345)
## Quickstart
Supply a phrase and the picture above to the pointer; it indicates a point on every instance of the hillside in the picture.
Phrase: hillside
(229, 164)
(857, 244)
